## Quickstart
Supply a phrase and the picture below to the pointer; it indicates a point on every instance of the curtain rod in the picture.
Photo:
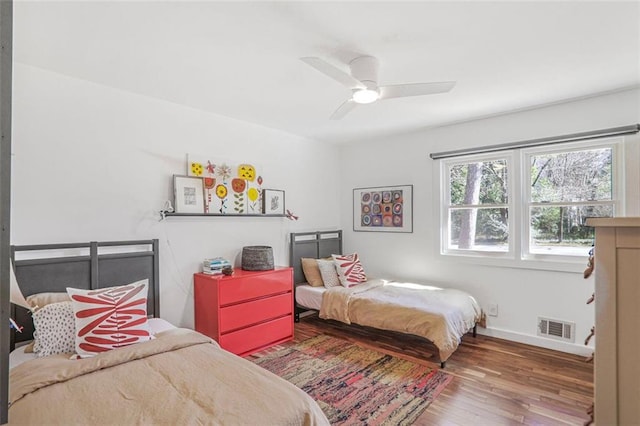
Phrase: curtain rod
(613, 131)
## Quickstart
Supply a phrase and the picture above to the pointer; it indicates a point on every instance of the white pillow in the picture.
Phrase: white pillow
(55, 329)
(328, 273)
(158, 325)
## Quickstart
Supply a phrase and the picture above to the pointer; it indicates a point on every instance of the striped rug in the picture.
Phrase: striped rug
(354, 385)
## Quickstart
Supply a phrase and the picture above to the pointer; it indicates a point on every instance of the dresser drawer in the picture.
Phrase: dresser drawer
(246, 288)
(244, 314)
(245, 341)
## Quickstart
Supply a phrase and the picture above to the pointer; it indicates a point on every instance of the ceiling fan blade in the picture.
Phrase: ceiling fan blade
(415, 89)
(343, 109)
(333, 72)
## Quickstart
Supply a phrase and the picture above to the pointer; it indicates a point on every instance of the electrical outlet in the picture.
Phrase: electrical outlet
(492, 309)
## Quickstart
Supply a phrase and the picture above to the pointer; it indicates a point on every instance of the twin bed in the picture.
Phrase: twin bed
(177, 377)
(442, 316)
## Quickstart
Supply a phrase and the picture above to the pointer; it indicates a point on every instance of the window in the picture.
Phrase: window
(563, 188)
(478, 205)
(529, 203)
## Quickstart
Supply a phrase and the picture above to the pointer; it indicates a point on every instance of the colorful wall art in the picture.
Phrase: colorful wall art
(229, 187)
(383, 209)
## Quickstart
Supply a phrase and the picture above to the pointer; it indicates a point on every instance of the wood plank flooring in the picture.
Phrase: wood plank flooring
(496, 382)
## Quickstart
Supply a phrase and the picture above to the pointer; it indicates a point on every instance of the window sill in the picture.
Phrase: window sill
(508, 260)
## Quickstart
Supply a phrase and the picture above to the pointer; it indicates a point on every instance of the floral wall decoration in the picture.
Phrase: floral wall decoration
(229, 187)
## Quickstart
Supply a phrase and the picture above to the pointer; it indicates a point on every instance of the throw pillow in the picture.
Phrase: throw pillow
(39, 301)
(328, 273)
(349, 269)
(109, 318)
(55, 329)
(311, 272)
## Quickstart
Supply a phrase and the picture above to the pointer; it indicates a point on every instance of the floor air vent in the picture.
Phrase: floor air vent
(555, 329)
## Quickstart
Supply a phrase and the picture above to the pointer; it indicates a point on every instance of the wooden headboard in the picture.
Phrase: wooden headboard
(92, 265)
(314, 245)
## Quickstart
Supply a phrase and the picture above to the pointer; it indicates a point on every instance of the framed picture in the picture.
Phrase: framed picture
(188, 192)
(272, 201)
(383, 209)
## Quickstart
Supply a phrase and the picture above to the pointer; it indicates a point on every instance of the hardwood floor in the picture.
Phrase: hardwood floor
(496, 382)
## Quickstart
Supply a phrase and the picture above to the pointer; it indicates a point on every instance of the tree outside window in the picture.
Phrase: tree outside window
(565, 189)
(478, 210)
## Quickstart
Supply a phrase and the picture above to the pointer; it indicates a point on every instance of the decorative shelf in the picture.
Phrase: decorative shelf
(173, 214)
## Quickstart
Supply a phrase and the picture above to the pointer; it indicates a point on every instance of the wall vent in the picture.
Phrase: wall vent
(556, 329)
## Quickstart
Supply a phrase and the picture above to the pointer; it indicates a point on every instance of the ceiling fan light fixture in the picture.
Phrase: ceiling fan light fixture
(365, 96)
(363, 82)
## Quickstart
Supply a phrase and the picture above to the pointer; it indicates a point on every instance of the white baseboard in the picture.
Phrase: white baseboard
(572, 348)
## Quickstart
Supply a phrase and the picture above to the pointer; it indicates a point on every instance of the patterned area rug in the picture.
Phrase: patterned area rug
(355, 385)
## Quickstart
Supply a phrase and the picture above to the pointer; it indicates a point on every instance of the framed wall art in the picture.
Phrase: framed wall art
(188, 192)
(383, 209)
(272, 201)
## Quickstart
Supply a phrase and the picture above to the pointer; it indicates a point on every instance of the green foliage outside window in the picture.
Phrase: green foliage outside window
(566, 188)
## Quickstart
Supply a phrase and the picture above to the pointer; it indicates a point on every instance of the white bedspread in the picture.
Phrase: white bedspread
(309, 297)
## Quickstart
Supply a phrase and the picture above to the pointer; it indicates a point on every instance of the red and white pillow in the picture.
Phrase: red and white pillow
(350, 270)
(109, 318)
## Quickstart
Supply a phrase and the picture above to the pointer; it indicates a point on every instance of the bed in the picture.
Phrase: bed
(177, 376)
(440, 315)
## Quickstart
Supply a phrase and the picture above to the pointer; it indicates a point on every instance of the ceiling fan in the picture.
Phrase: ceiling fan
(363, 82)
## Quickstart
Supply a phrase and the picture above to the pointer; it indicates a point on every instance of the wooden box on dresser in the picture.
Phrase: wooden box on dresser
(617, 298)
(247, 311)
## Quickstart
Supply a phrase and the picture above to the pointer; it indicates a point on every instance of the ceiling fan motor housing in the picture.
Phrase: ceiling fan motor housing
(365, 69)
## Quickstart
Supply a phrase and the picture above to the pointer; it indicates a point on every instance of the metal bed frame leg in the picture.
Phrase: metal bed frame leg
(443, 364)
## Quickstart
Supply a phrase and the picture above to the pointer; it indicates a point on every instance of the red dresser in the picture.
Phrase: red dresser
(245, 312)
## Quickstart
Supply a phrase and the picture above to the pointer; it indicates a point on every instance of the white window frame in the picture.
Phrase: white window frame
(518, 254)
(617, 190)
(445, 202)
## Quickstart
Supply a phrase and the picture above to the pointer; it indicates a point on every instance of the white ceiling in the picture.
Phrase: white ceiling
(241, 59)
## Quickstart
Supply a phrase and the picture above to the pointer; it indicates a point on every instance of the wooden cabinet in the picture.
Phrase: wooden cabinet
(617, 298)
(245, 312)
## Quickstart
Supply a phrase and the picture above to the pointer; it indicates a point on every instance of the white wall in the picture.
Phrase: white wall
(521, 294)
(95, 163)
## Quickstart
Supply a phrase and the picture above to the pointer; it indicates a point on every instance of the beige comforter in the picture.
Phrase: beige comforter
(440, 315)
(179, 378)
